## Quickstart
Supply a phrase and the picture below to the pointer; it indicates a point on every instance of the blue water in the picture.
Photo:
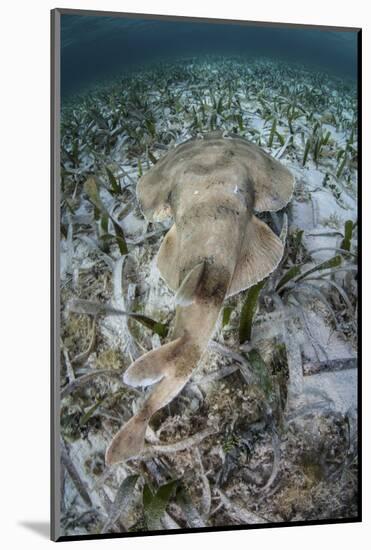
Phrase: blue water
(95, 48)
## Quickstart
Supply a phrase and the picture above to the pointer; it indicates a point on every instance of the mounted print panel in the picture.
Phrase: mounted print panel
(205, 274)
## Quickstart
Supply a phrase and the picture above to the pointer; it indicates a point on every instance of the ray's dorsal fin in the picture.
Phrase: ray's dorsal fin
(260, 254)
(167, 259)
(187, 290)
(152, 366)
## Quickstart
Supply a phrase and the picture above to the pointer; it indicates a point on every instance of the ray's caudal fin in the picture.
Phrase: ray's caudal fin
(170, 367)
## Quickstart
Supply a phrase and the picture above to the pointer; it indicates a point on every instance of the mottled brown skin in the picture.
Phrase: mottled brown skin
(210, 189)
(210, 225)
(232, 157)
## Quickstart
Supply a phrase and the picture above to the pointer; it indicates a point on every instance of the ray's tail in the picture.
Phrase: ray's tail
(169, 367)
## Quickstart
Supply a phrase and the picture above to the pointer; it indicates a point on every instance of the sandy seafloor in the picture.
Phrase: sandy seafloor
(247, 441)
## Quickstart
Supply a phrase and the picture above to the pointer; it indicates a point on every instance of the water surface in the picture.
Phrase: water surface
(94, 48)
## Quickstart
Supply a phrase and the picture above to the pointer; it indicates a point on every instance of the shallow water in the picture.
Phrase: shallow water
(133, 90)
(96, 47)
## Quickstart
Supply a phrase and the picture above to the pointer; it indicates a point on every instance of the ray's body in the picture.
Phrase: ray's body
(215, 248)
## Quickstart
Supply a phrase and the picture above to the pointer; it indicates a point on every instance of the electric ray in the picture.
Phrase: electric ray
(216, 247)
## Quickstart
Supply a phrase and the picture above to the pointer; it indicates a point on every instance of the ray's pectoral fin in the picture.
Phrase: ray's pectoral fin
(273, 182)
(167, 259)
(260, 254)
(187, 290)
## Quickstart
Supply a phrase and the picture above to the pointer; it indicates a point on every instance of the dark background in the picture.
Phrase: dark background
(94, 48)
